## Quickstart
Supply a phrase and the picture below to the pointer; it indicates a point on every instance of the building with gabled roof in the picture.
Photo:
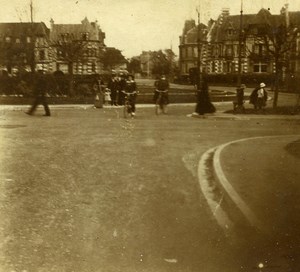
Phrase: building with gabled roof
(24, 45)
(222, 43)
(91, 34)
(188, 46)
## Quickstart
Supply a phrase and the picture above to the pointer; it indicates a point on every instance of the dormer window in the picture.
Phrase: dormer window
(65, 37)
(85, 36)
(230, 32)
(8, 39)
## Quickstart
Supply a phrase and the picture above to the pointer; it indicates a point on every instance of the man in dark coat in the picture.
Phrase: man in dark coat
(121, 84)
(161, 85)
(40, 91)
(112, 86)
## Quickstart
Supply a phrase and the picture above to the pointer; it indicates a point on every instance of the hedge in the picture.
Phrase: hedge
(57, 84)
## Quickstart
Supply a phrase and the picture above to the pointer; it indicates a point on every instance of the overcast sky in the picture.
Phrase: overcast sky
(133, 25)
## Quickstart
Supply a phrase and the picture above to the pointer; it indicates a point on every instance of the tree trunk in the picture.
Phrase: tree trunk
(71, 82)
(277, 81)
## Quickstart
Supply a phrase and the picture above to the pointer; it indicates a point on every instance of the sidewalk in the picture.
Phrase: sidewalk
(265, 173)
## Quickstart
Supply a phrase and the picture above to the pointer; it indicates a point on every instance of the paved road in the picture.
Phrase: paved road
(264, 171)
(86, 190)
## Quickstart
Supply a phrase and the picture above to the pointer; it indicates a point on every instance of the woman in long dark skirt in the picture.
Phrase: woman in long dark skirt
(204, 104)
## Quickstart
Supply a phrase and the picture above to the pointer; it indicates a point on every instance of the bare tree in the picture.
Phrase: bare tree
(279, 39)
(70, 51)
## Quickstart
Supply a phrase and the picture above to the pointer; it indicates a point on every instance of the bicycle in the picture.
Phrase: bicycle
(127, 109)
(161, 102)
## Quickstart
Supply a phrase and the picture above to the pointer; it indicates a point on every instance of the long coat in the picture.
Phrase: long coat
(204, 104)
(254, 95)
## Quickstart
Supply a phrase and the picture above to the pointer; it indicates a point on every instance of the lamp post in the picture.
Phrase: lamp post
(239, 78)
(198, 51)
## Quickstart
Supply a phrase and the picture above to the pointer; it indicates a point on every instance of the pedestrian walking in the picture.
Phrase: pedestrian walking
(40, 92)
(259, 97)
(204, 104)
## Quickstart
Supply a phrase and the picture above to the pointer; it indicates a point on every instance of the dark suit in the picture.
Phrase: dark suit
(112, 85)
(40, 90)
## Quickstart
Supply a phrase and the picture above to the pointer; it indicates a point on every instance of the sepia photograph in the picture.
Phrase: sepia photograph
(150, 136)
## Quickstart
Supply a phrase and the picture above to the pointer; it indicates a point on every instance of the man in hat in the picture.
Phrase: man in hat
(112, 86)
(161, 94)
(259, 97)
(40, 91)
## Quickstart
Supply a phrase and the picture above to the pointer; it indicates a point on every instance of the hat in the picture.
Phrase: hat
(262, 85)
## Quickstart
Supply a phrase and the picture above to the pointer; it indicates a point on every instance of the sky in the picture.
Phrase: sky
(134, 26)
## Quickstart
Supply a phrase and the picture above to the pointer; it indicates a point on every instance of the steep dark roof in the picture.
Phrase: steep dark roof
(76, 30)
(192, 35)
(262, 16)
(295, 17)
(219, 33)
(23, 29)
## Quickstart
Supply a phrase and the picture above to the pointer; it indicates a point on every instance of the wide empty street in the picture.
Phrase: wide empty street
(86, 190)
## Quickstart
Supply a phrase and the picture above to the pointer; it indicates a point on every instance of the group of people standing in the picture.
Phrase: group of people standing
(258, 97)
(119, 87)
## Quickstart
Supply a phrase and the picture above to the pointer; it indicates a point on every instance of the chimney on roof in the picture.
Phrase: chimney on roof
(287, 17)
(51, 23)
(225, 12)
(188, 25)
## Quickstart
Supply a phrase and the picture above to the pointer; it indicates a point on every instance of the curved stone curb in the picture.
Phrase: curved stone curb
(221, 178)
(208, 191)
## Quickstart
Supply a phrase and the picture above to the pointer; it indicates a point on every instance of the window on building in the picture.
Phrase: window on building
(60, 54)
(93, 67)
(18, 40)
(190, 52)
(28, 39)
(195, 51)
(230, 32)
(235, 50)
(229, 67)
(229, 50)
(85, 36)
(216, 50)
(183, 68)
(260, 67)
(84, 68)
(260, 49)
(213, 67)
(183, 52)
(42, 54)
